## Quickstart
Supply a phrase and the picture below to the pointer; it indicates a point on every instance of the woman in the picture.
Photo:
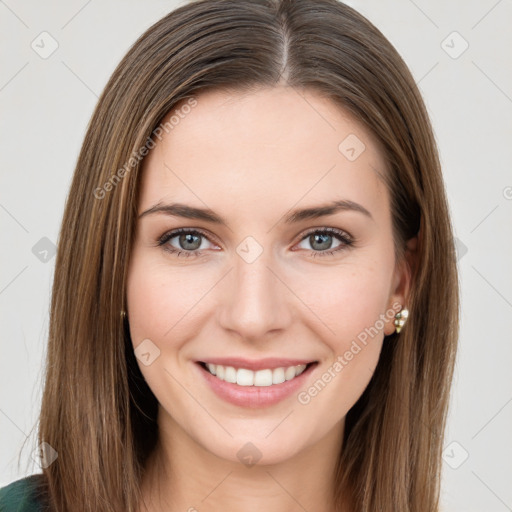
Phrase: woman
(255, 299)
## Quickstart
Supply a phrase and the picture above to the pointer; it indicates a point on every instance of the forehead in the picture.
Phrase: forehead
(270, 150)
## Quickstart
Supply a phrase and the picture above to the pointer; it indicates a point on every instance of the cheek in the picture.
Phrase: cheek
(354, 313)
(348, 300)
(161, 309)
(340, 384)
(351, 305)
(161, 300)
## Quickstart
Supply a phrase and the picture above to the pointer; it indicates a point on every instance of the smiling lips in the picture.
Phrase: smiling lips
(255, 383)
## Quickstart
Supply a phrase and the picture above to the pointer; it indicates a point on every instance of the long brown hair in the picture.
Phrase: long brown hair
(97, 411)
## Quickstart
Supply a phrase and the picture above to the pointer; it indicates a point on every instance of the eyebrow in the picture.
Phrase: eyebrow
(298, 215)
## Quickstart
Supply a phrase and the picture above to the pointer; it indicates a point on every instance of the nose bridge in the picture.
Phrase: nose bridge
(256, 301)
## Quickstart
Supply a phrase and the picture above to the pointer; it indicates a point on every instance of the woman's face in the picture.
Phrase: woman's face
(254, 281)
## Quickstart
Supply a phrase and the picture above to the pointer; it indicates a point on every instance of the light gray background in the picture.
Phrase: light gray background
(45, 107)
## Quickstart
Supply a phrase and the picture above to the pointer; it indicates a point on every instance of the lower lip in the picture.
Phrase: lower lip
(255, 396)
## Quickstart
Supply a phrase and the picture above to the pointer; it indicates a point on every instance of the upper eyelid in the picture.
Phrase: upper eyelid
(328, 229)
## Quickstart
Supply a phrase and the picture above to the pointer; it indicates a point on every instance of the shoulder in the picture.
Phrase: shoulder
(22, 495)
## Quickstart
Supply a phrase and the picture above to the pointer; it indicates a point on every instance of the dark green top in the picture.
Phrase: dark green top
(21, 495)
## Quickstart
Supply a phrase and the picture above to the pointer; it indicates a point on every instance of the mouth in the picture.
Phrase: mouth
(263, 385)
(263, 377)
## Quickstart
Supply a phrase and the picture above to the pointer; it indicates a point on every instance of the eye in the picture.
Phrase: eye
(321, 241)
(189, 242)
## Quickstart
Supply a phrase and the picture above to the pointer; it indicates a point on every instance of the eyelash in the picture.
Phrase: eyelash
(347, 241)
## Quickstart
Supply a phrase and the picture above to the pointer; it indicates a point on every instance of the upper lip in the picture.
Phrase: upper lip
(260, 364)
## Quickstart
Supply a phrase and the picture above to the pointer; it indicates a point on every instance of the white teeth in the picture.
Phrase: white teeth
(278, 376)
(263, 378)
(245, 377)
(289, 373)
(230, 374)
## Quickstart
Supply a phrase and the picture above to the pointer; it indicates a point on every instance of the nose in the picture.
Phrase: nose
(255, 301)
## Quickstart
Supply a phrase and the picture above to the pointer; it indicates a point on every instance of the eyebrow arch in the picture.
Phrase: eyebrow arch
(326, 209)
(298, 215)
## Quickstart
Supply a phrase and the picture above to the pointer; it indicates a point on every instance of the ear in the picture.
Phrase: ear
(402, 279)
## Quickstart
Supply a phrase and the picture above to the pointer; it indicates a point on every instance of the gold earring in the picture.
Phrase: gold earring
(401, 318)
(123, 314)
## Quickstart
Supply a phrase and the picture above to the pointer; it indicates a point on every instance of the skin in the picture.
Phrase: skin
(251, 158)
